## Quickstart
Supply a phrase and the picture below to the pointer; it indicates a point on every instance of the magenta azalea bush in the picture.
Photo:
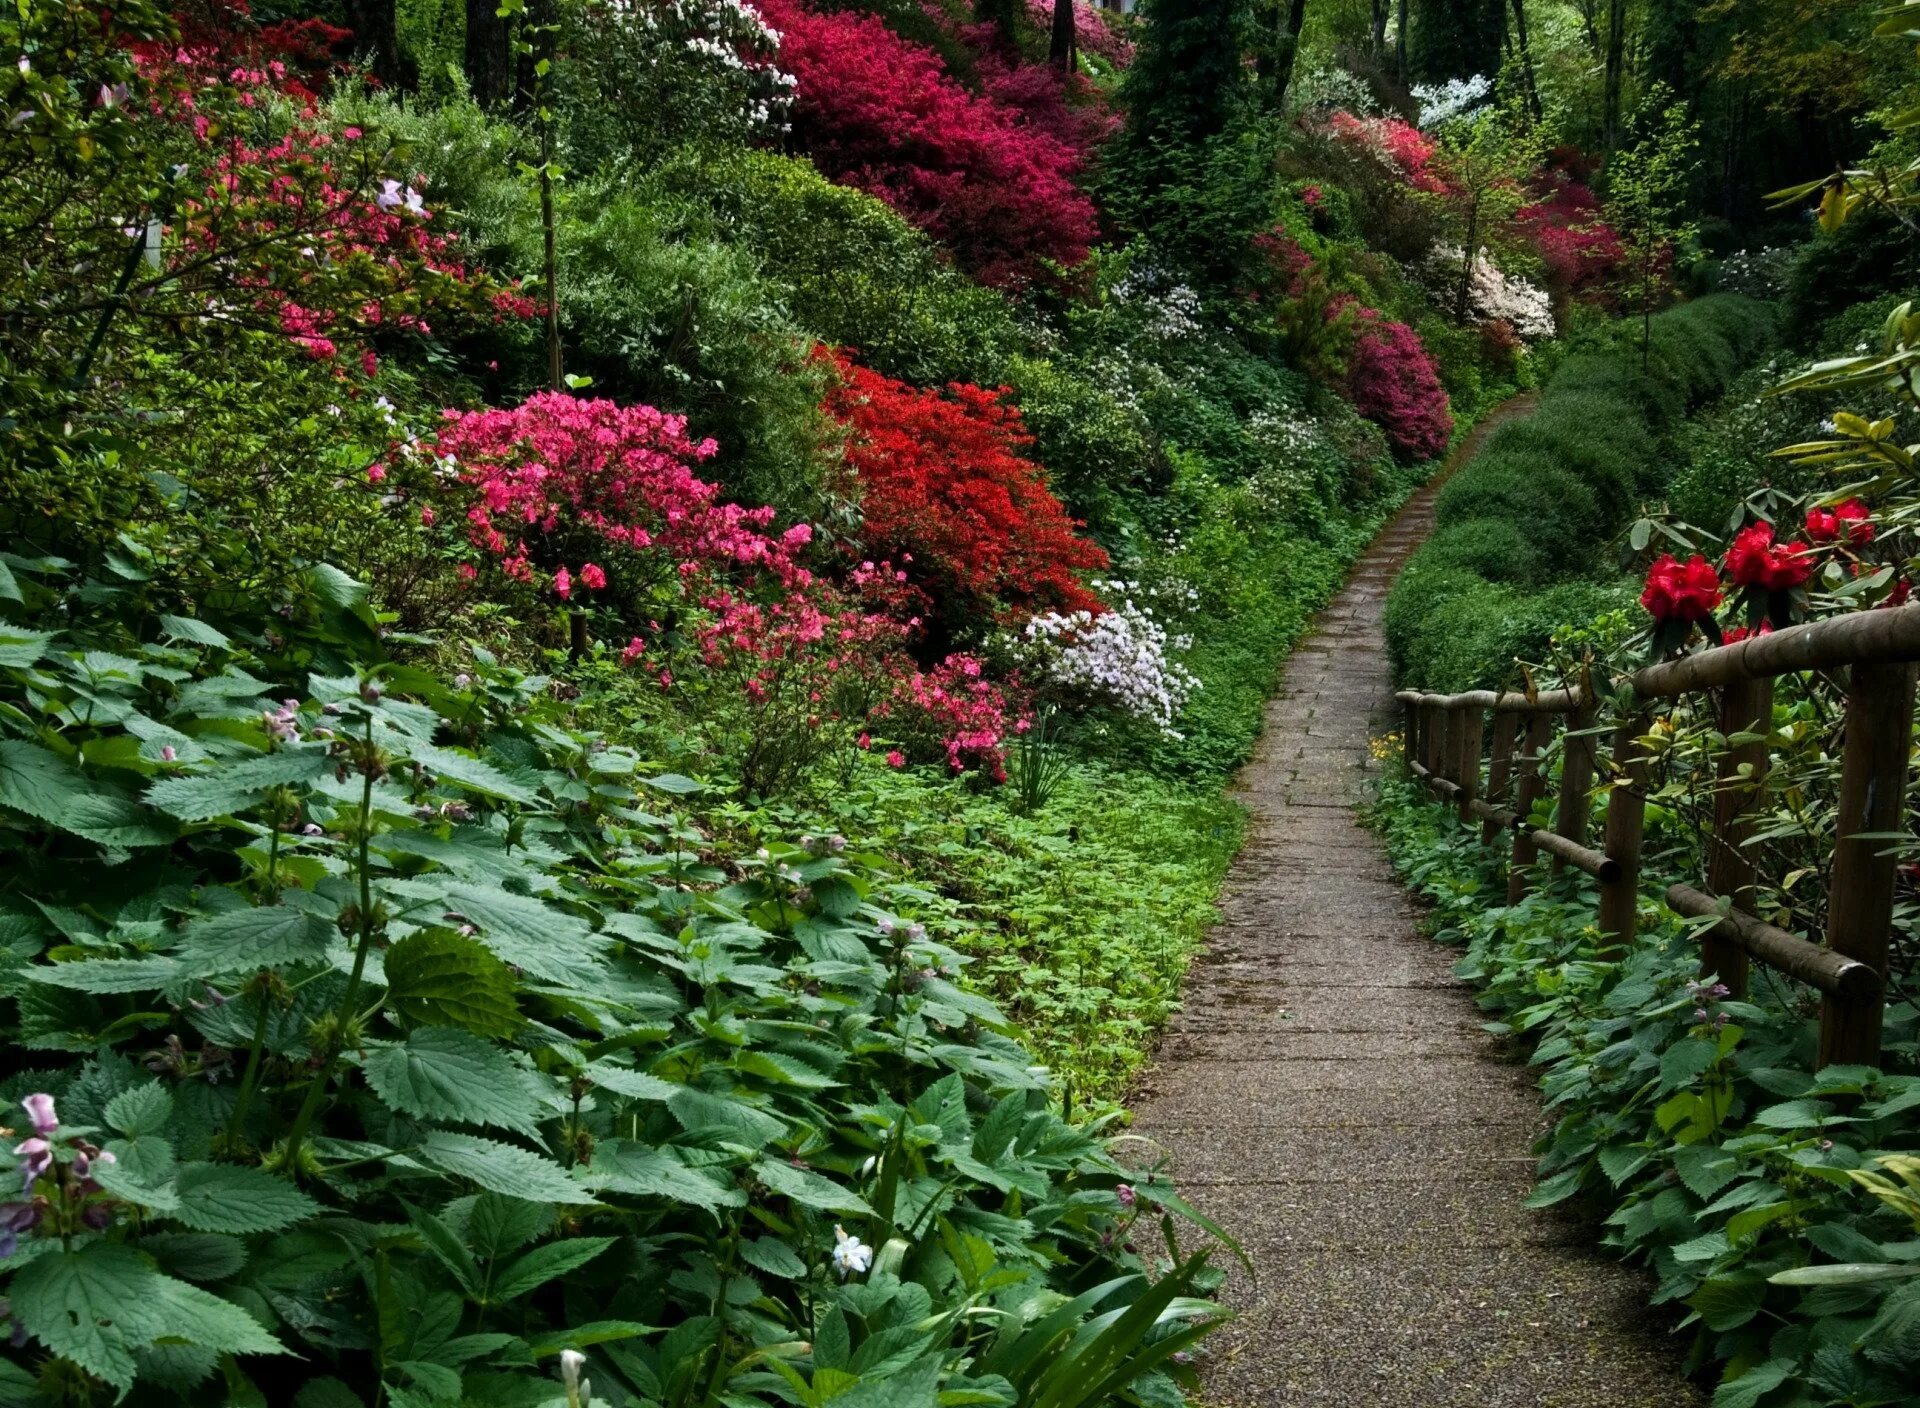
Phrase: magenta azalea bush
(1393, 382)
(878, 112)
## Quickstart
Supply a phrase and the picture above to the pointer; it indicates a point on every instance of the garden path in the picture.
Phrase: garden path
(1327, 1095)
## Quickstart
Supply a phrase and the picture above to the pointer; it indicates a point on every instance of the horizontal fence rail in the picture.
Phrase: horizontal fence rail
(1447, 744)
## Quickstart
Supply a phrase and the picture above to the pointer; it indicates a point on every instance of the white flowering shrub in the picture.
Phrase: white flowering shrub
(1758, 273)
(1172, 311)
(1441, 103)
(665, 73)
(1121, 659)
(1492, 293)
(1324, 88)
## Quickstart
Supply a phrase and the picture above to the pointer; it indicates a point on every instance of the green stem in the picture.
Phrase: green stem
(318, 1090)
(244, 1100)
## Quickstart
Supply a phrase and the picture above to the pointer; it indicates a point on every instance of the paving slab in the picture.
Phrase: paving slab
(1329, 1095)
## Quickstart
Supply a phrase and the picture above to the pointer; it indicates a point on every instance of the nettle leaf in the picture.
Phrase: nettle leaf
(230, 1198)
(20, 647)
(623, 1167)
(773, 1256)
(242, 940)
(439, 978)
(143, 1110)
(474, 774)
(624, 1080)
(196, 1256)
(109, 975)
(540, 939)
(187, 628)
(501, 1168)
(227, 788)
(809, 1189)
(443, 1073)
(98, 1304)
(701, 1110)
(543, 1264)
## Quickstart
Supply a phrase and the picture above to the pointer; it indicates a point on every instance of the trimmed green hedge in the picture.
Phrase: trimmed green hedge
(1522, 529)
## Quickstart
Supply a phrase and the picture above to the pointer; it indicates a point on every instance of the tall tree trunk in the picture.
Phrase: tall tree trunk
(1588, 10)
(1060, 51)
(1382, 12)
(1616, 69)
(1286, 49)
(1526, 58)
(489, 56)
(1463, 296)
(1400, 45)
(375, 26)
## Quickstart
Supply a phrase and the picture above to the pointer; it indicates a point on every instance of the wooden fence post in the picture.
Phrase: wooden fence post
(1873, 790)
(1469, 734)
(1576, 779)
(1533, 786)
(1746, 706)
(1410, 731)
(1626, 811)
(1440, 763)
(1506, 724)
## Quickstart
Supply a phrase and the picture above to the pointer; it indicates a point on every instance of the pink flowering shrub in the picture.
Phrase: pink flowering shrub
(558, 482)
(880, 113)
(1394, 144)
(1393, 382)
(956, 710)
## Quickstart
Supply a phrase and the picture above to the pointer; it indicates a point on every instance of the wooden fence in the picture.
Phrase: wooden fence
(1447, 746)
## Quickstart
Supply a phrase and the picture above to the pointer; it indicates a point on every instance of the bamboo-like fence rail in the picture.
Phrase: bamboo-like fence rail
(1501, 783)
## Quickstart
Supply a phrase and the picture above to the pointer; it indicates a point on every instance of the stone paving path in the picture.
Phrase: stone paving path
(1328, 1096)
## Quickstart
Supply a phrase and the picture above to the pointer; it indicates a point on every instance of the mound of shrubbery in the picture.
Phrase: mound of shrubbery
(1524, 529)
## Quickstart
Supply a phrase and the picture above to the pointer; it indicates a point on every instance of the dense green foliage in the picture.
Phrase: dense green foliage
(1525, 536)
(1697, 1129)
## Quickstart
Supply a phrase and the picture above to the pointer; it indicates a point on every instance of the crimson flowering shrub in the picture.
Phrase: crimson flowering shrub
(1850, 520)
(1567, 227)
(1393, 382)
(957, 709)
(882, 114)
(947, 491)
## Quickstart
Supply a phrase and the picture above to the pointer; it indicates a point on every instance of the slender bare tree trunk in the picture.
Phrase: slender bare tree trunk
(1400, 45)
(489, 55)
(1286, 51)
(1061, 51)
(1526, 58)
(1616, 69)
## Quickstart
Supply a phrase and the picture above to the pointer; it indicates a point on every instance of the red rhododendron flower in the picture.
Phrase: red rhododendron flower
(1394, 383)
(1849, 520)
(1755, 560)
(592, 578)
(1734, 634)
(1681, 591)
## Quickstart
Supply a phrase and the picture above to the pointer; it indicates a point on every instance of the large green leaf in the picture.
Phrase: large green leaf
(227, 788)
(444, 1073)
(231, 1198)
(440, 978)
(20, 647)
(474, 774)
(109, 975)
(623, 1167)
(699, 1110)
(262, 936)
(546, 942)
(501, 1168)
(543, 1263)
(96, 1305)
(809, 1188)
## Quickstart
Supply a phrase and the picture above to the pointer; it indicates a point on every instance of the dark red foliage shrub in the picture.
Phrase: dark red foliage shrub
(880, 113)
(947, 491)
(1393, 382)
(1566, 224)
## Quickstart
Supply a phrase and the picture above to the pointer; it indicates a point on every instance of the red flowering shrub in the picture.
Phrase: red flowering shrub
(880, 113)
(558, 481)
(1396, 145)
(1566, 224)
(1393, 382)
(946, 490)
(1849, 520)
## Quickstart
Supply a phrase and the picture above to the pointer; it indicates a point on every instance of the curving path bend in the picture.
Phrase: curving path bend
(1327, 1095)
